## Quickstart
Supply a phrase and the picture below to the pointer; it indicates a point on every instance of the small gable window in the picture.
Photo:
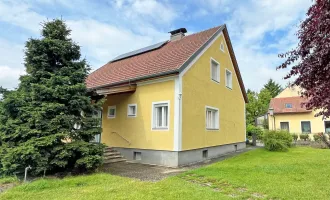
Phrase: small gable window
(288, 105)
(112, 112)
(229, 79)
(131, 110)
(222, 47)
(215, 71)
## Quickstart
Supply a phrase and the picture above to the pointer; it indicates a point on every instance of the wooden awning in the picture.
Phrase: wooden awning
(116, 90)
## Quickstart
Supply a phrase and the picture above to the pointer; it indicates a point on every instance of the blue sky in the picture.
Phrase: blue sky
(259, 29)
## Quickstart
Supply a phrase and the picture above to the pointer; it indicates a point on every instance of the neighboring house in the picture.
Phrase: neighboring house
(175, 102)
(289, 114)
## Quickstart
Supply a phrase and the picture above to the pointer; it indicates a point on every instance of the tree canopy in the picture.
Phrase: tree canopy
(273, 87)
(258, 105)
(48, 121)
(310, 60)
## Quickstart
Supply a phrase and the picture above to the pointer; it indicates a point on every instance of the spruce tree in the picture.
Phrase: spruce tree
(273, 87)
(48, 121)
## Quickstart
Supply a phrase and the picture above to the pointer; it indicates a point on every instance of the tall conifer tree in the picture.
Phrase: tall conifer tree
(48, 121)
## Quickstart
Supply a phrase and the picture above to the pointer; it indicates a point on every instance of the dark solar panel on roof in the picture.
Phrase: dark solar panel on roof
(139, 51)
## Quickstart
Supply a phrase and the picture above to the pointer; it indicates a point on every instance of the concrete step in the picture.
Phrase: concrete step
(111, 153)
(112, 157)
(108, 149)
(114, 160)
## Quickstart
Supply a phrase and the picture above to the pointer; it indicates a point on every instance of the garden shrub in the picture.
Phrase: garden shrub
(250, 130)
(317, 137)
(304, 137)
(295, 136)
(277, 140)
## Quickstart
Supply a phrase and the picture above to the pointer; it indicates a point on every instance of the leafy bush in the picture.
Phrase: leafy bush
(304, 137)
(277, 140)
(295, 136)
(250, 130)
(317, 137)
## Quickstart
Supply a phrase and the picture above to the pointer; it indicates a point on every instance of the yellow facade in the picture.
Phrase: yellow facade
(187, 119)
(199, 91)
(138, 130)
(295, 119)
(317, 123)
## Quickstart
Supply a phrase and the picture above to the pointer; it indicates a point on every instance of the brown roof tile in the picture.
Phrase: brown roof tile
(167, 58)
(278, 104)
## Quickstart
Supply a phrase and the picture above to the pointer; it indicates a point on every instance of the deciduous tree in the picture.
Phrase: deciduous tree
(310, 60)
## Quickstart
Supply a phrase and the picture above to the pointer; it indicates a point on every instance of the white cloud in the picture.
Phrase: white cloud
(150, 10)
(9, 76)
(20, 14)
(102, 42)
(251, 24)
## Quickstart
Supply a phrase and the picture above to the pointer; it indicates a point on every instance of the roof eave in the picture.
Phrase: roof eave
(135, 79)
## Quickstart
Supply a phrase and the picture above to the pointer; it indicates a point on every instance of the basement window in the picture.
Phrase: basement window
(131, 110)
(137, 156)
(112, 112)
(205, 153)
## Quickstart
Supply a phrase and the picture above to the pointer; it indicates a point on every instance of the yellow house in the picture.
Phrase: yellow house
(289, 114)
(173, 103)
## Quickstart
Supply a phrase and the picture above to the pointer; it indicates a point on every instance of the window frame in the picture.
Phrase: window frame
(310, 126)
(287, 104)
(325, 128)
(217, 120)
(222, 46)
(231, 82)
(128, 109)
(212, 60)
(153, 122)
(288, 125)
(112, 107)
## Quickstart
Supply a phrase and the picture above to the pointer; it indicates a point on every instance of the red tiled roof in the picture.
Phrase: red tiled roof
(278, 104)
(169, 59)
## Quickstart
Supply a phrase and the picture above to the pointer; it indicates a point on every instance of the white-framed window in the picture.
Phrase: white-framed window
(306, 127)
(131, 110)
(285, 126)
(212, 118)
(215, 70)
(160, 115)
(112, 112)
(222, 47)
(288, 105)
(229, 79)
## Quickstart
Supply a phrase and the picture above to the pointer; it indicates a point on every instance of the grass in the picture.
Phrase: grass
(300, 173)
(10, 179)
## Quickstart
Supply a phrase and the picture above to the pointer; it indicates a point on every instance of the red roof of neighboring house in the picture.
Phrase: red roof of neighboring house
(278, 104)
(170, 58)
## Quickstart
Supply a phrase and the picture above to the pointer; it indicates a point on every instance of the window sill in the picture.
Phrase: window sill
(230, 88)
(212, 129)
(160, 129)
(218, 82)
(111, 117)
(130, 116)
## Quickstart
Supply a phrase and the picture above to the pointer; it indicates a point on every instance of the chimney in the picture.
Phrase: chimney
(178, 34)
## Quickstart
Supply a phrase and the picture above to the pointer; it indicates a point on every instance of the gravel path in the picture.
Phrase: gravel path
(156, 173)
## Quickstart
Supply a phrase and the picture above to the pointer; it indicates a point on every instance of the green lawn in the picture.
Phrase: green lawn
(301, 173)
